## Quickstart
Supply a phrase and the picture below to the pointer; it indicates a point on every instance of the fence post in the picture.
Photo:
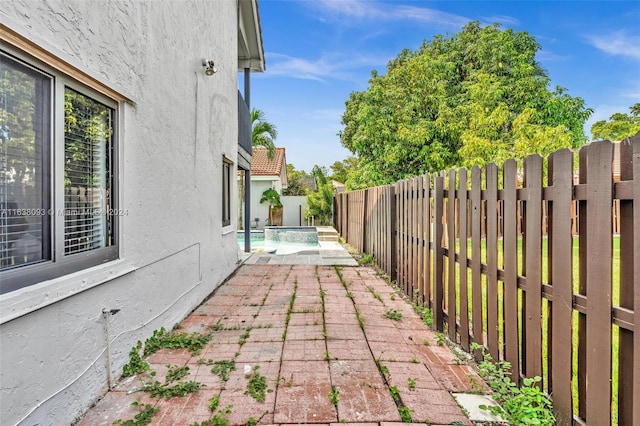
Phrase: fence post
(438, 254)
(393, 242)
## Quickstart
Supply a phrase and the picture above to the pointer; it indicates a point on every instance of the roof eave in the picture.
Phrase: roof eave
(250, 47)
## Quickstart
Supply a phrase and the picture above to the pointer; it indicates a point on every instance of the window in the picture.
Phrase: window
(227, 166)
(57, 174)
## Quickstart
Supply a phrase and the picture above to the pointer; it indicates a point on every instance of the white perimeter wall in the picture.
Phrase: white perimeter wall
(174, 251)
(293, 208)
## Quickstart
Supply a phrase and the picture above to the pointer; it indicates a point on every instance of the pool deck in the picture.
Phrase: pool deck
(329, 253)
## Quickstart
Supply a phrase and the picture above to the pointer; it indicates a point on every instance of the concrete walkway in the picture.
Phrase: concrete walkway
(324, 344)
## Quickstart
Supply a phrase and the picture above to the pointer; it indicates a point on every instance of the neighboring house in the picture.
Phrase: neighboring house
(266, 174)
(118, 145)
(337, 186)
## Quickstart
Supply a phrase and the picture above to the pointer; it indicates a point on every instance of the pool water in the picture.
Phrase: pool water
(259, 244)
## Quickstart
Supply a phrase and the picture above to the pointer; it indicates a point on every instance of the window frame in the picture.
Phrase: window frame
(59, 264)
(227, 173)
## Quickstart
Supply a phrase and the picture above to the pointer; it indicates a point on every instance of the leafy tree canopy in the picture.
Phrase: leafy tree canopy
(298, 181)
(475, 97)
(341, 169)
(619, 126)
(321, 202)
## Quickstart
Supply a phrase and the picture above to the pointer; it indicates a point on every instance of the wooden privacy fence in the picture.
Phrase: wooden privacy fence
(548, 304)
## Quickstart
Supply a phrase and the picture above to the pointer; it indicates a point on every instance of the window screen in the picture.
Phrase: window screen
(25, 128)
(87, 173)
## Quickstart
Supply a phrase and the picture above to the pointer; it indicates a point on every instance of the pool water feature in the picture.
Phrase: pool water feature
(282, 239)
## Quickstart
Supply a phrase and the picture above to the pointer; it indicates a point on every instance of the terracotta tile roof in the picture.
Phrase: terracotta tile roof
(262, 166)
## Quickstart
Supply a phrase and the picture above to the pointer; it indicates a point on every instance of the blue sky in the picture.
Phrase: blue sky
(319, 51)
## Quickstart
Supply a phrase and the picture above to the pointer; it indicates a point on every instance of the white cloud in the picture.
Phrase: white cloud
(373, 10)
(350, 8)
(617, 43)
(502, 19)
(340, 66)
(548, 56)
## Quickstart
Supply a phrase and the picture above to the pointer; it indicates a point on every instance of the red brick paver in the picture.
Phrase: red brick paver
(326, 351)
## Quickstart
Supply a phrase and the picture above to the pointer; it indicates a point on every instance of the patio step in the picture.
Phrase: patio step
(327, 234)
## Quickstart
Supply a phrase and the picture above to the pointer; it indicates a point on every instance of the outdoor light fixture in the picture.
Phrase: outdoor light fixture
(209, 67)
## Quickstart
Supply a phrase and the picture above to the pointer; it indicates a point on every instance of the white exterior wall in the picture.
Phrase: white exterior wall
(260, 184)
(173, 248)
(291, 215)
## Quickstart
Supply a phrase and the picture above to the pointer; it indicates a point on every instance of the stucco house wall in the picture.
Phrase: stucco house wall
(259, 184)
(174, 251)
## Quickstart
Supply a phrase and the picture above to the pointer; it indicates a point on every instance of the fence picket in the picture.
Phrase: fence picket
(438, 272)
(476, 258)
(532, 298)
(451, 258)
(599, 247)
(464, 288)
(510, 260)
(626, 337)
(492, 260)
(560, 237)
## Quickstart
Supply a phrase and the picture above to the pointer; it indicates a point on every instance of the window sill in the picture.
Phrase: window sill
(29, 299)
(226, 230)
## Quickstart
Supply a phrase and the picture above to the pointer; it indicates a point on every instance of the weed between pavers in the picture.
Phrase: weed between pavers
(375, 294)
(219, 419)
(157, 389)
(136, 364)
(411, 383)
(257, 385)
(334, 395)
(144, 416)
(214, 401)
(405, 414)
(222, 368)
(393, 314)
(176, 372)
(290, 310)
(244, 337)
(287, 383)
(194, 342)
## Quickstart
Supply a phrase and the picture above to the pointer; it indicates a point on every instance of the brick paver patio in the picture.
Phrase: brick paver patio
(320, 337)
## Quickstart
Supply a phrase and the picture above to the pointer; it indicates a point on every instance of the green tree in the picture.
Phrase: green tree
(263, 132)
(297, 181)
(619, 126)
(342, 169)
(471, 98)
(321, 201)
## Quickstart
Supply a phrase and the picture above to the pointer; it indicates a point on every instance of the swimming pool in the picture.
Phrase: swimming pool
(282, 240)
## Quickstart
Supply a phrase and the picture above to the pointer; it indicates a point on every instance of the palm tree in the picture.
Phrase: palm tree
(263, 133)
